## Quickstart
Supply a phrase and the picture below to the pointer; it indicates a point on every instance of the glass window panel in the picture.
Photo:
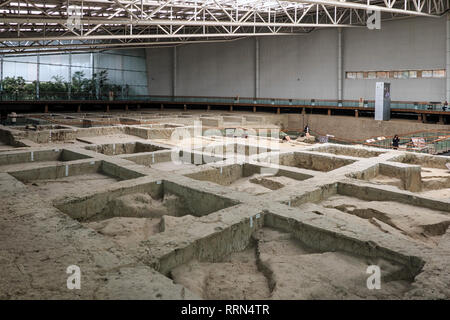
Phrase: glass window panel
(427, 74)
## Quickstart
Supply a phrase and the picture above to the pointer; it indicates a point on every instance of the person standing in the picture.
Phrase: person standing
(395, 142)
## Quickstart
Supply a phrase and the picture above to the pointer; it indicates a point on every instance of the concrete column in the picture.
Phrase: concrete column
(339, 71)
(92, 66)
(122, 75)
(38, 69)
(208, 108)
(356, 113)
(256, 67)
(1, 76)
(448, 58)
(329, 112)
(231, 108)
(174, 74)
(162, 106)
(46, 108)
(185, 107)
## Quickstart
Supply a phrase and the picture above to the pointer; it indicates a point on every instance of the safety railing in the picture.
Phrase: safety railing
(89, 96)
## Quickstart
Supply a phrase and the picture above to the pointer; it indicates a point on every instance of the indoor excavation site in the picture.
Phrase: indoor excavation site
(224, 150)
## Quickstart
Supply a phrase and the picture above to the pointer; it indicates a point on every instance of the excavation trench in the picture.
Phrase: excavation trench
(275, 265)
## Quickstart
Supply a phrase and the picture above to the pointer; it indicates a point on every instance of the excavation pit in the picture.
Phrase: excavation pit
(14, 161)
(133, 214)
(280, 259)
(68, 179)
(250, 178)
(125, 148)
(172, 160)
(235, 150)
(349, 151)
(309, 161)
(386, 211)
(435, 175)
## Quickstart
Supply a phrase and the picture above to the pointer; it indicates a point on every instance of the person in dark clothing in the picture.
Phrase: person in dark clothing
(395, 142)
(306, 129)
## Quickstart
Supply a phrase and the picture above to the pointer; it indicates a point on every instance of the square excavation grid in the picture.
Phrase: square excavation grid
(133, 214)
(271, 225)
(250, 178)
(172, 160)
(309, 161)
(383, 210)
(52, 182)
(112, 149)
(270, 256)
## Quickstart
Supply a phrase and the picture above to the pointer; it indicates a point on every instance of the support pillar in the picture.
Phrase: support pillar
(46, 108)
(339, 64)
(1, 77)
(303, 110)
(256, 67)
(38, 69)
(448, 58)
(231, 108)
(162, 107)
(107, 108)
(278, 110)
(174, 72)
(254, 109)
(79, 108)
(329, 112)
(356, 113)
(185, 107)
(126, 108)
(69, 91)
(208, 108)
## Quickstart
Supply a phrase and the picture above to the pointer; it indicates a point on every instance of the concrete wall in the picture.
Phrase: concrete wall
(361, 128)
(305, 66)
(415, 44)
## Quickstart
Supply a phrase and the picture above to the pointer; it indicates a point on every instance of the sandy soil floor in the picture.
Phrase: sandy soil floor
(127, 232)
(53, 189)
(392, 181)
(4, 146)
(422, 224)
(260, 184)
(279, 267)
